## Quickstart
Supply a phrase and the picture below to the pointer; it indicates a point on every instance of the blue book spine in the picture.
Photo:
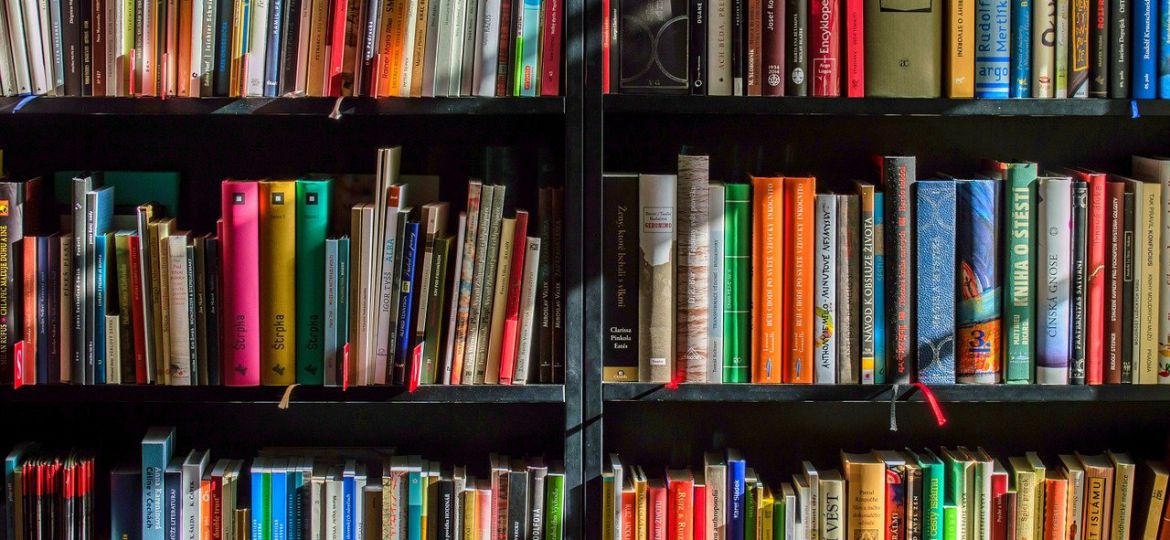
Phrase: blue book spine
(258, 503)
(347, 521)
(174, 500)
(99, 298)
(223, 44)
(736, 477)
(97, 223)
(406, 303)
(342, 296)
(879, 290)
(1145, 49)
(978, 332)
(43, 299)
(279, 499)
(1164, 49)
(272, 60)
(935, 205)
(992, 49)
(1021, 37)
(125, 504)
(527, 49)
(414, 495)
(296, 480)
(155, 455)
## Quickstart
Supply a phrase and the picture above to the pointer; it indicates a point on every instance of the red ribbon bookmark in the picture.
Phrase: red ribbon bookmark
(933, 402)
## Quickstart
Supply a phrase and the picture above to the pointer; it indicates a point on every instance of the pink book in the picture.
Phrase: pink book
(550, 49)
(824, 47)
(241, 283)
(512, 313)
(854, 48)
(485, 502)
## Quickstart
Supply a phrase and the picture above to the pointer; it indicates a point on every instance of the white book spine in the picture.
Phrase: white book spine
(790, 521)
(1158, 170)
(715, 204)
(487, 35)
(195, 76)
(258, 42)
(1060, 52)
(408, 47)
(386, 290)
(527, 310)
(330, 348)
(440, 70)
(453, 298)
(716, 502)
(472, 20)
(300, 86)
(984, 524)
(430, 52)
(18, 54)
(657, 265)
(832, 519)
(7, 75)
(694, 266)
(719, 48)
(825, 343)
(454, 61)
(1043, 50)
(1054, 246)
(44, 15)
(35, 51)
(180, 346)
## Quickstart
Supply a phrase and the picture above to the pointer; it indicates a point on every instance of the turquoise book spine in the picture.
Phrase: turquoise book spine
(312, 217)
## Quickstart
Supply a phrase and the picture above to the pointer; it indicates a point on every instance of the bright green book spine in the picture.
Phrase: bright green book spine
(935, 478)
(436, 315)
(312, 226)
(554, 507)
(778, 517)
(266, 512)
(737, 288)
(1019, 274)
(951, 522)
(749, 514)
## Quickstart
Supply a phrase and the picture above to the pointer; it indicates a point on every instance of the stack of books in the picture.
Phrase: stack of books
(271, 48)
(957, 493)
(415, 294)
(1008, 275)
(827, 48)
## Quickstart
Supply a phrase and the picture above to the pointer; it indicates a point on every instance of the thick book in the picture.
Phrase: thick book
(1156, 170)
(799, 278)
(551, 44)
(694, 261)
(157, 445)
(1099, 492)
(903, 49)
(824, 46)
(1124, 471)
(1021, 53)
(1075, 473)
(1019, 273)
(1150, 499)
(796, 47)
(179, 358)
(1043, 49)
(11, 233)
(656, 290)
(865, 476)
(736, 499)
(654, 48)
(847, 323)
(1145, 49)
(767, 291)
(1095, 276)
(716, 229)
(1115, 266)
(867, 283)
(825, 290)
(993, 49)
(897, 173)
(1054, 248)
(935, 202)
(312, 224)
(737, 291)
(960, 60)
(1147, 293)
(978, 326)
(241, 287)
(278, 288)
(98, 218)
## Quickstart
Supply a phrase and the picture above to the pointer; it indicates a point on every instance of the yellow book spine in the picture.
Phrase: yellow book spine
(277, 284)
(607, 509)
(642, 507)
(470, 513)
(160, 265)
(1149, 267)
(961, 53)
(420, 49)
(318, 25)
(1026, 505)
(866, 499)
(500, 301)
(764, 511)
(237, 53)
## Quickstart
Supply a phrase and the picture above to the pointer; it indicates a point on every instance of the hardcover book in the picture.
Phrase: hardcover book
(824, 47)
(935, 204)
(656, 290)
(1145, 49)
(1021, 54)
(1043, 49)
(719, 50)
(865, 476)
(1078, 61)
(1115, 266)
(978, 330)
(278, 284)
(897, 176)
(960, 70)
(767, 280)
(654, 47)
(1019, 274)
(848, 297)
(868, 283)
(800, 250)
(1054, 249)
(694, 253)
(796, 57)
(992, 49)
(1119, 48)
(241, 288)
(312, 223)
(903, 48)
(716, 229)
(1157, 170)
(736, 291)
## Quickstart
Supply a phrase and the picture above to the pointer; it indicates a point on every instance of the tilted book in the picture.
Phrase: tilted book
(1054, 253)
(503, 272)
(768, 280)
(694, 260)
(737, 289)
(897, 176)
(312, 224)
(825, 290)
(978, 330)
(524, 356)
(241, 287)
(278, 290)
(656, 290)
(935, 222)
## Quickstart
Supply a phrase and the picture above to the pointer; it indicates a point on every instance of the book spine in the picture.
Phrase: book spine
(936, 219)
(179, 363)
(488, 297)
(1054, 248)
(551, 31)
(1095, 281)
(330, 346)
(502, 274)
(755, 44)
(738, 46)
(213, 307)
(11, 232)
(1114, 273)
(868, 284)
(1021, 54)
(879, 292)
(1061, 51)
(736, 288)
(897, 177)
(772, 48)
(1147, 304)
(719, 48)
(241, 296)
(154, 461)
(1099, 26)
(697, 18)
(736, 471)
(1163, 49)
(1019, 280)
(795, 26)
(125, 309)
(434, 328)
(767, 305)
(1145, 49)
(825, 290)
(825, 49)
(992, 50)
(406, 302)
(716, 207)
(978, 330)
(289, 41)
(65, 311)
(277, 275)
(799, 278)
(848, 297)
(26, 364)
(44, 347)
(656, 289)
(854, 48)
(1079, 47)
(1043, 48)
(694, 252)
(1119, 49)
(1080, 276)
(335, 46)
(344, 278)
(1128, 273)
(960, 67)
(528, 312)
(488, 55)
(477, 280)
(312, 224)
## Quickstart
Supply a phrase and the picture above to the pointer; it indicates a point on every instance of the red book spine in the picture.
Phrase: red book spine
(511, 338)
(1095, 336)
(550, 62)
(605, 31)
(699, 506)
(216, 508)
(628, 515)
(504, 62)
(854, 48)
(241, 296)
(336, 46)
(824, 39)
(895, 505)
(1114, 276)
(999, 511)
(773, 45)
(680, 513)
(30, 309)
(658, 505)
(137, 322)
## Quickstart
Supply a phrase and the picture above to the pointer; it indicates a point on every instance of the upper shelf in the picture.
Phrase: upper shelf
(538, 393)
(738, 105)
(746, 393)
(303, 106)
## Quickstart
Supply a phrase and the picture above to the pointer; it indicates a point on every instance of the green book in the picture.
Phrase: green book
(312, 225)
(934, 483)
(951, 515)
(265, 509)
(749, 501)
(554, 505)
(1019, 275)
(436, 315)
(125, 330)
(959, 473)
(737, 288)
(778, 517)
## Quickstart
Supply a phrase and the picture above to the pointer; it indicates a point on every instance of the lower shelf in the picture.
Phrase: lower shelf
(881, 392)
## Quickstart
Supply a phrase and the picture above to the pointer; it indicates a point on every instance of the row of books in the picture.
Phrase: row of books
(49, 494)
(202, 48)
(414, 295)
(1004, 276)
(828, 48)
(956, 494)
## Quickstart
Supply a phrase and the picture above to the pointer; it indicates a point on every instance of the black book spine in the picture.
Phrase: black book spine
(192, 320)
(738, 47)
(1099, 49)
(53, 247)
(289, 43)
(1119, 49)
(1127, 300)
(544, 291)
(615, 48)
(897, 178)
(518, 505)
(1080, 250)
(697, 49)
(42, 308)
(211, 278)
(224, 14)
(557, 261)
(11, 231)
(446, 510)
(71, 45)
(86, 21)
(796, 79)
(619, 277)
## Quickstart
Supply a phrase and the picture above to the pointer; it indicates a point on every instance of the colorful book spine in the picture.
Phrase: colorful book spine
(1114, 278)
(800, 250)
(1080, 276)
(156, 454)
(1147, 292)
(278, 288)
(241, 287)
(1043, 49)
(848, 277)
(854, 48)
(736, 292)
(825, 48)
(897, 176)
(1096, 281)
(1099, 48)
(406, 303)
(1078, 48)
(978, 327)
(960, 58)
(1145, 49)
(100, 298)
(1019, 273)
(312, 224)
(694, 252)
(716, 230)
(11, 232)
(1163, 49)
(527, 66)
(767, 280)
(1021, 55)
(879, 292)
(935, 209)
(736, 495)
(1053, 249)
(868, 303)
(992, 49)
(825, 290)
(656, 306)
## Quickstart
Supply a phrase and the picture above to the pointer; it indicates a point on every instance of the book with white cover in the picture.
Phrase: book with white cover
(411, 24)
(825, 290)
(257, 49)
(487, 36)
(656, 284)
(527, 310)
(1054, 250)
(716, 198)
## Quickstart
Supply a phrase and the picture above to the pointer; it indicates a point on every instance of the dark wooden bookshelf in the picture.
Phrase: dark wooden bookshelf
(286, 106)
(954, 393)
(270, 395)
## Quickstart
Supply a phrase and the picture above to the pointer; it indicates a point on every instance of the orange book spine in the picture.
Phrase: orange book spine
(183, 72)
(30, 310)
(1055, 508)
(205, 506)
(628, 515)
(800, 194)
(681, 525)
(767, 280)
